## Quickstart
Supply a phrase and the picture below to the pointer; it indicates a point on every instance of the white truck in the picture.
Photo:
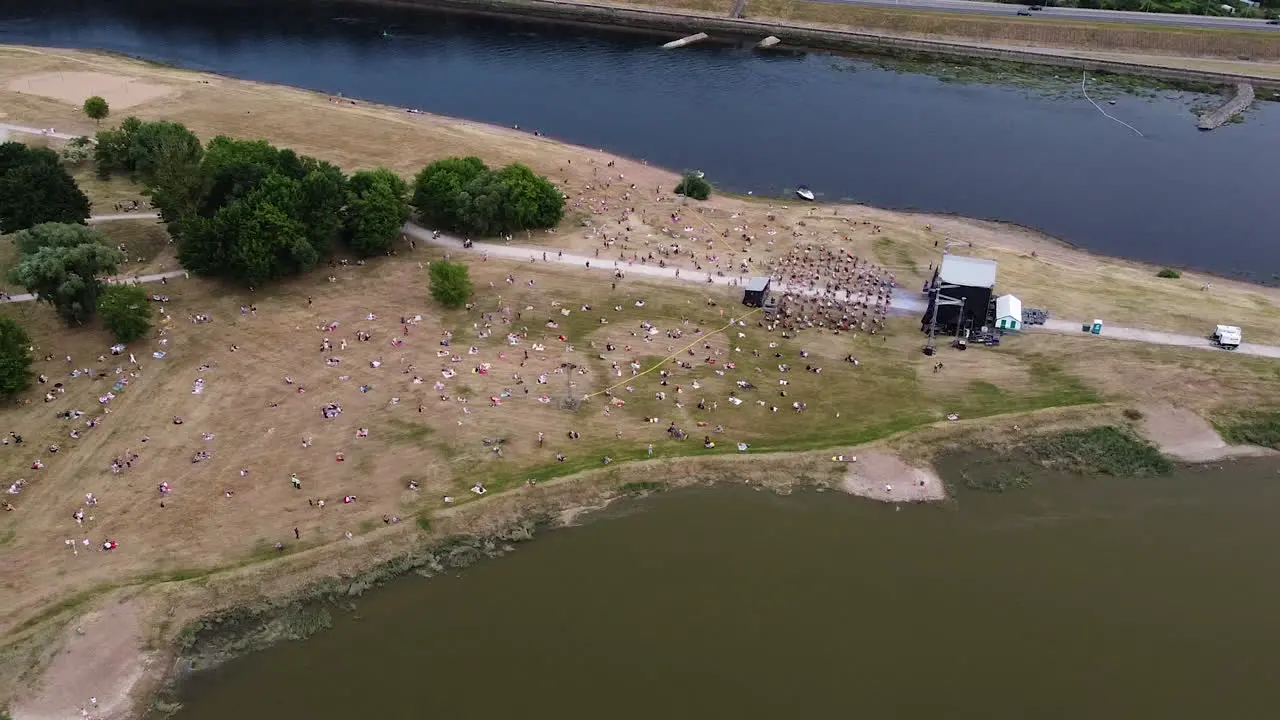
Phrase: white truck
(1226, 337)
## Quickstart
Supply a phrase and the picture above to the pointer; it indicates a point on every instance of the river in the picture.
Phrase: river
(752, 121)
(1075, 598)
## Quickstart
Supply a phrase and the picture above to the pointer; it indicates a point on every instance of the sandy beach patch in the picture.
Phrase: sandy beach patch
(884, 476)
(1183, 435)
(73, 87)
(95, 671)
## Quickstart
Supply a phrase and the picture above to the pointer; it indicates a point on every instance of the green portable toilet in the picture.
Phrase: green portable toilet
(1096, 328)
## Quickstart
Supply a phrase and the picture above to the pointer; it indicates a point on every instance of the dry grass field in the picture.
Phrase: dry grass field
(1133, 40)
(266, 378)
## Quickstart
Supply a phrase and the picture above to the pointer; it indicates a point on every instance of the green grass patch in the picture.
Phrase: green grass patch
(895, 255)
(1106, 450)
(410, 433)
(995, 482)
(7, 536)
(642, 487)
(1169, 273)
(1254, 428)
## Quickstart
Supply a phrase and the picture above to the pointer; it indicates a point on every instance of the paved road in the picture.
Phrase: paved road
(1112, 16)
(36, 131)
(903, 302)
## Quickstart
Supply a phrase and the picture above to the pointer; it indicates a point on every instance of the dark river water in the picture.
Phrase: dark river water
(1076, 598)
(751, 121)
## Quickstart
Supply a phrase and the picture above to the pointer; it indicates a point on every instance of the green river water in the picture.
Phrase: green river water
(1075, 598)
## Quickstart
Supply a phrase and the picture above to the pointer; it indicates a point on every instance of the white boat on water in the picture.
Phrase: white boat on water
(805, 193)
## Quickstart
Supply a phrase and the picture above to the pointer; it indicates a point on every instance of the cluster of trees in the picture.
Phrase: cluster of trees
(35, 188)
(463, 195)
(248, 211)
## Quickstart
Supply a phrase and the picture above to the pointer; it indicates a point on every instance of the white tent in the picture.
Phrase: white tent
(1008, 313)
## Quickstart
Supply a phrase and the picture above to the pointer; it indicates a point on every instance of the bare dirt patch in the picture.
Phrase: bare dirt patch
(120, 91)
(886, 477)
(1184, 435)
(102, 657)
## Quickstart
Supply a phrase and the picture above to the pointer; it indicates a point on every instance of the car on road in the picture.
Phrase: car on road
(1024, 13)
(1274, 21)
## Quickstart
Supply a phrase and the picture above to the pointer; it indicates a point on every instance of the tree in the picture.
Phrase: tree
(377, 206)
(462, 194)
(450, 283)
(140, 148)
(15, 357)
(66, 276)
(29, 241)
(125, 311)
(246, 210)
(437, 189)
(694, 186)
(35, 189)
(97, 109)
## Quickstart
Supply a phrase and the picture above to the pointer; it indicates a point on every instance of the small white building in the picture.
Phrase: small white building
(1008, 313)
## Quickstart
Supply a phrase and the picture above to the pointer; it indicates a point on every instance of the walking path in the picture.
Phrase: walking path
(899, 303)
(36, 131)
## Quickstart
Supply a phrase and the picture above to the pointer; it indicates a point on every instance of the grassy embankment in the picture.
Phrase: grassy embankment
(1122, 40)
(257, 420)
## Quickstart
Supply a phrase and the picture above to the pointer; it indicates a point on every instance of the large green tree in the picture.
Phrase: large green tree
(67, 276)
(437, 189)
(249, 211)
(97, 109)
(125, 311)
(463, 195)
(377, 206)
(140, 147)
(15, 357)
(450, 283)
(35, 188)
(29, 241)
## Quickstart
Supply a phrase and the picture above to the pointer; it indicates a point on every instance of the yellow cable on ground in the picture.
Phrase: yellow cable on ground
(664, 360)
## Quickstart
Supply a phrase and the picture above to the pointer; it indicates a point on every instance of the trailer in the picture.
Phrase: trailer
(1227, 337)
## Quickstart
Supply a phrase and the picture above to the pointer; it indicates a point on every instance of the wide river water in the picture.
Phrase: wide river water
(1076, 598)
(752, 121)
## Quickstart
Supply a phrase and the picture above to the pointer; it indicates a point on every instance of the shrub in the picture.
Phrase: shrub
(125, 311)
(1169, 273)
(694, 186)
(450, 283)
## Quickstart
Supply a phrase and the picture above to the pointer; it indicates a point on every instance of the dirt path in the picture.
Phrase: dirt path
(1183, 435)
(93, 675)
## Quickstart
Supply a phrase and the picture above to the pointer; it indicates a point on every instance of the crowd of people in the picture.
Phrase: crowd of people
(819, 286)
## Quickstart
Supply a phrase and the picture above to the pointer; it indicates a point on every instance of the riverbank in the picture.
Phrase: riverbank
(1199, 55)
(206, 552)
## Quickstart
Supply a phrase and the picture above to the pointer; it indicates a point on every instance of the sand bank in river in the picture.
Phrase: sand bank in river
(884, 476)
